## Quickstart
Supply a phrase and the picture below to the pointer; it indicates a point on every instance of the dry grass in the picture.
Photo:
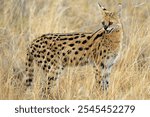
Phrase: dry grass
(23, 20)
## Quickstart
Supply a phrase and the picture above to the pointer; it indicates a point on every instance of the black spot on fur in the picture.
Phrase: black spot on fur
(78, 41)
(39, 61)
(64, 39)
(46, 42)
(35, 55)
(51, 78)
(69, 51)
(37, 41)
(98, 35)
(71, 45)
(48, 53)
(36, 46)
(76, 37)
(104, 56)
(44, 50)
(86, 48)
(32, 51)
(70, 38)
(38, 56)
(65, 59)
(59, 45)
(76, 34)
(100, 53)
(45, 65)
(82, 35)
(80, 59)
(29, 59)
(48, 59)
(84, 41)
(80, 48)
(99, 46)
(64, 42)
(26, 69)
(49, 37)
(43, 35)
(62, 48)
(52, 56)
(90, 45)
(102, 65)
(49, 67)
(88, 37)
(63, 54)
(76, 52)
(107, 82)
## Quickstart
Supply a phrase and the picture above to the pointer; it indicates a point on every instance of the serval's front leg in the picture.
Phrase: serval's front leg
(106, 67)
(105, 78)
(98, 77)
(102, 74)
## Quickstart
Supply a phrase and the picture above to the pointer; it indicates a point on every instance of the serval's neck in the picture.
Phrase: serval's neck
(96, 35)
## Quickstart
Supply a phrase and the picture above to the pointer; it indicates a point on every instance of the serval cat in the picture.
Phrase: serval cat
(53, 52)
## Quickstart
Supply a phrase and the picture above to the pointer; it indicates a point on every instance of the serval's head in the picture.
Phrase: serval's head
(109, 18)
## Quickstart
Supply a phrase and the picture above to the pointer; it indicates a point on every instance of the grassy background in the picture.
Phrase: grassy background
(23, 20)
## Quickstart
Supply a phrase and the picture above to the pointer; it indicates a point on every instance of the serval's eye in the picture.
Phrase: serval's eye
(103, 23)
(110, 23)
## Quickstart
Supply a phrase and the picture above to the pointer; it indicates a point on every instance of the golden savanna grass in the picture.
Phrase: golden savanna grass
(23, 20)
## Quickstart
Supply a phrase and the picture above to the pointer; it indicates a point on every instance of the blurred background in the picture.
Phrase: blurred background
(21, 21)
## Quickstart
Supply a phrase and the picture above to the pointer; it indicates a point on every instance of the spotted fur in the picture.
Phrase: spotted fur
(53, 52)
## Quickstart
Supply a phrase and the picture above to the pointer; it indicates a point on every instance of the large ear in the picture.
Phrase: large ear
(119, 12)
(101, 7)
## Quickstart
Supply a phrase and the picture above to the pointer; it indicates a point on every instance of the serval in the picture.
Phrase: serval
(53, 52)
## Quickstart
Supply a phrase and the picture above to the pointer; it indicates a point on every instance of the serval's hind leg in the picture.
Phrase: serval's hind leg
(52, 77)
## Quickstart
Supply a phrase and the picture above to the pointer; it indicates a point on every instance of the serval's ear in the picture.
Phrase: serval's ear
(104, 11)
(119, 12)
(103, 8)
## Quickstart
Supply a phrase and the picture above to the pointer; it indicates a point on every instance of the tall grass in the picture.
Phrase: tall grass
(23, 20)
